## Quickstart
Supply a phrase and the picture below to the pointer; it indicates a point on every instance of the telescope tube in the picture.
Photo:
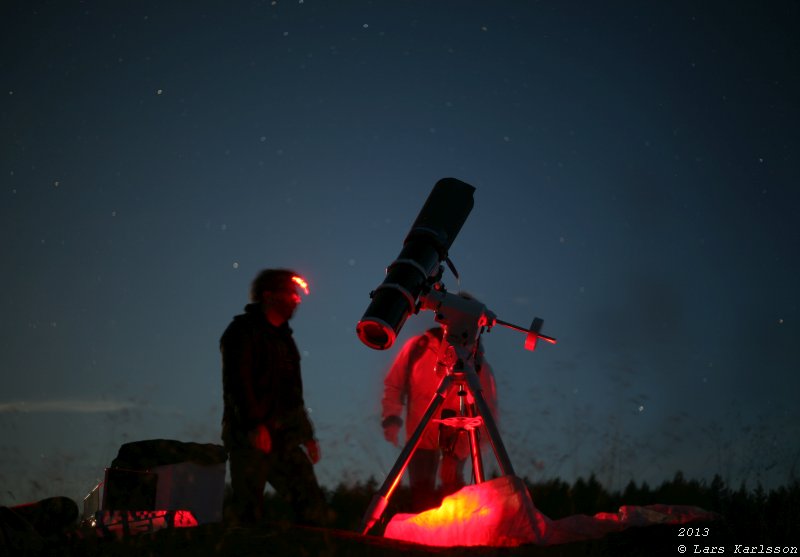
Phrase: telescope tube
(424, 248)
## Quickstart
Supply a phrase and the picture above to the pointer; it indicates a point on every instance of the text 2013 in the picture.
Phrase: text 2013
(693, 532)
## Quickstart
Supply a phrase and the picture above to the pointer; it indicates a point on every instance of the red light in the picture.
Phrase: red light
(500, 512)
(301, 282)
(126, 523)
(484, 321)
(496, 513)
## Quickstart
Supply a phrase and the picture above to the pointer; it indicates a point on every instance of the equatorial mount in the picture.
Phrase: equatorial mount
(434, 298)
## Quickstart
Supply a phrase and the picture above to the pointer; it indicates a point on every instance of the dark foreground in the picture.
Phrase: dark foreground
(281, 539)
(751, 522)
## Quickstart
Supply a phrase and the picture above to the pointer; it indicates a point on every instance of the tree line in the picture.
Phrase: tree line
(766, 515)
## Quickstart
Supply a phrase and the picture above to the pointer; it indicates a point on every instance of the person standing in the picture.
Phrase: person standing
(408, 389)
(265, 427)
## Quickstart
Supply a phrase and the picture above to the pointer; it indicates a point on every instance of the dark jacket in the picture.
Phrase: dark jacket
(261, 382)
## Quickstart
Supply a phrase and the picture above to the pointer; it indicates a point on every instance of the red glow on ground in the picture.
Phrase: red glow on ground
(459, 507)
(301, 282)
(494, 513)
(500, 512)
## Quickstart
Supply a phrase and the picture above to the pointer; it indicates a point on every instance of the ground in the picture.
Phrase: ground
(285, 540)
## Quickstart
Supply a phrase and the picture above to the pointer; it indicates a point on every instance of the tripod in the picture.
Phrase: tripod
(463, 320)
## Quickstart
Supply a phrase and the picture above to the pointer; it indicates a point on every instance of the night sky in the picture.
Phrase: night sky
(637, 187)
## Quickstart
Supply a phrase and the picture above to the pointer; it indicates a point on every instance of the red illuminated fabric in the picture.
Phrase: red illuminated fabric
(412, 381)
(500, 513)
(494, 513)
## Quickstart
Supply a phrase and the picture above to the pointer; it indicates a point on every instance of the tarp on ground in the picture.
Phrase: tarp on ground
(500, 513)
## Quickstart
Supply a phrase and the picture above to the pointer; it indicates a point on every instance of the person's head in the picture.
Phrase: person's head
(278, 292)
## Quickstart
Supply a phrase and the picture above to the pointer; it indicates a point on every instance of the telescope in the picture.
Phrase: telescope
(417, 269)
(413, 282)
(418, 266)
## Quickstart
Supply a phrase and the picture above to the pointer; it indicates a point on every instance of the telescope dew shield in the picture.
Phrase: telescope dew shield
(426, 245)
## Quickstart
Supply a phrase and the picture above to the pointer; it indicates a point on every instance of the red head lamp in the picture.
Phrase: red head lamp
(301, 282)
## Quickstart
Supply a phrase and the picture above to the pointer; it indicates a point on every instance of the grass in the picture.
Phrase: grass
(748, 516)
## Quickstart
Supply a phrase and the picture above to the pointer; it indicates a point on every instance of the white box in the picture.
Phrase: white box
(191, 487)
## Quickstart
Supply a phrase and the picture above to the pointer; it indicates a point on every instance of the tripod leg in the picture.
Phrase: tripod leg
(491, 427)
(381, 499)
(475, 451)
(468, 409)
